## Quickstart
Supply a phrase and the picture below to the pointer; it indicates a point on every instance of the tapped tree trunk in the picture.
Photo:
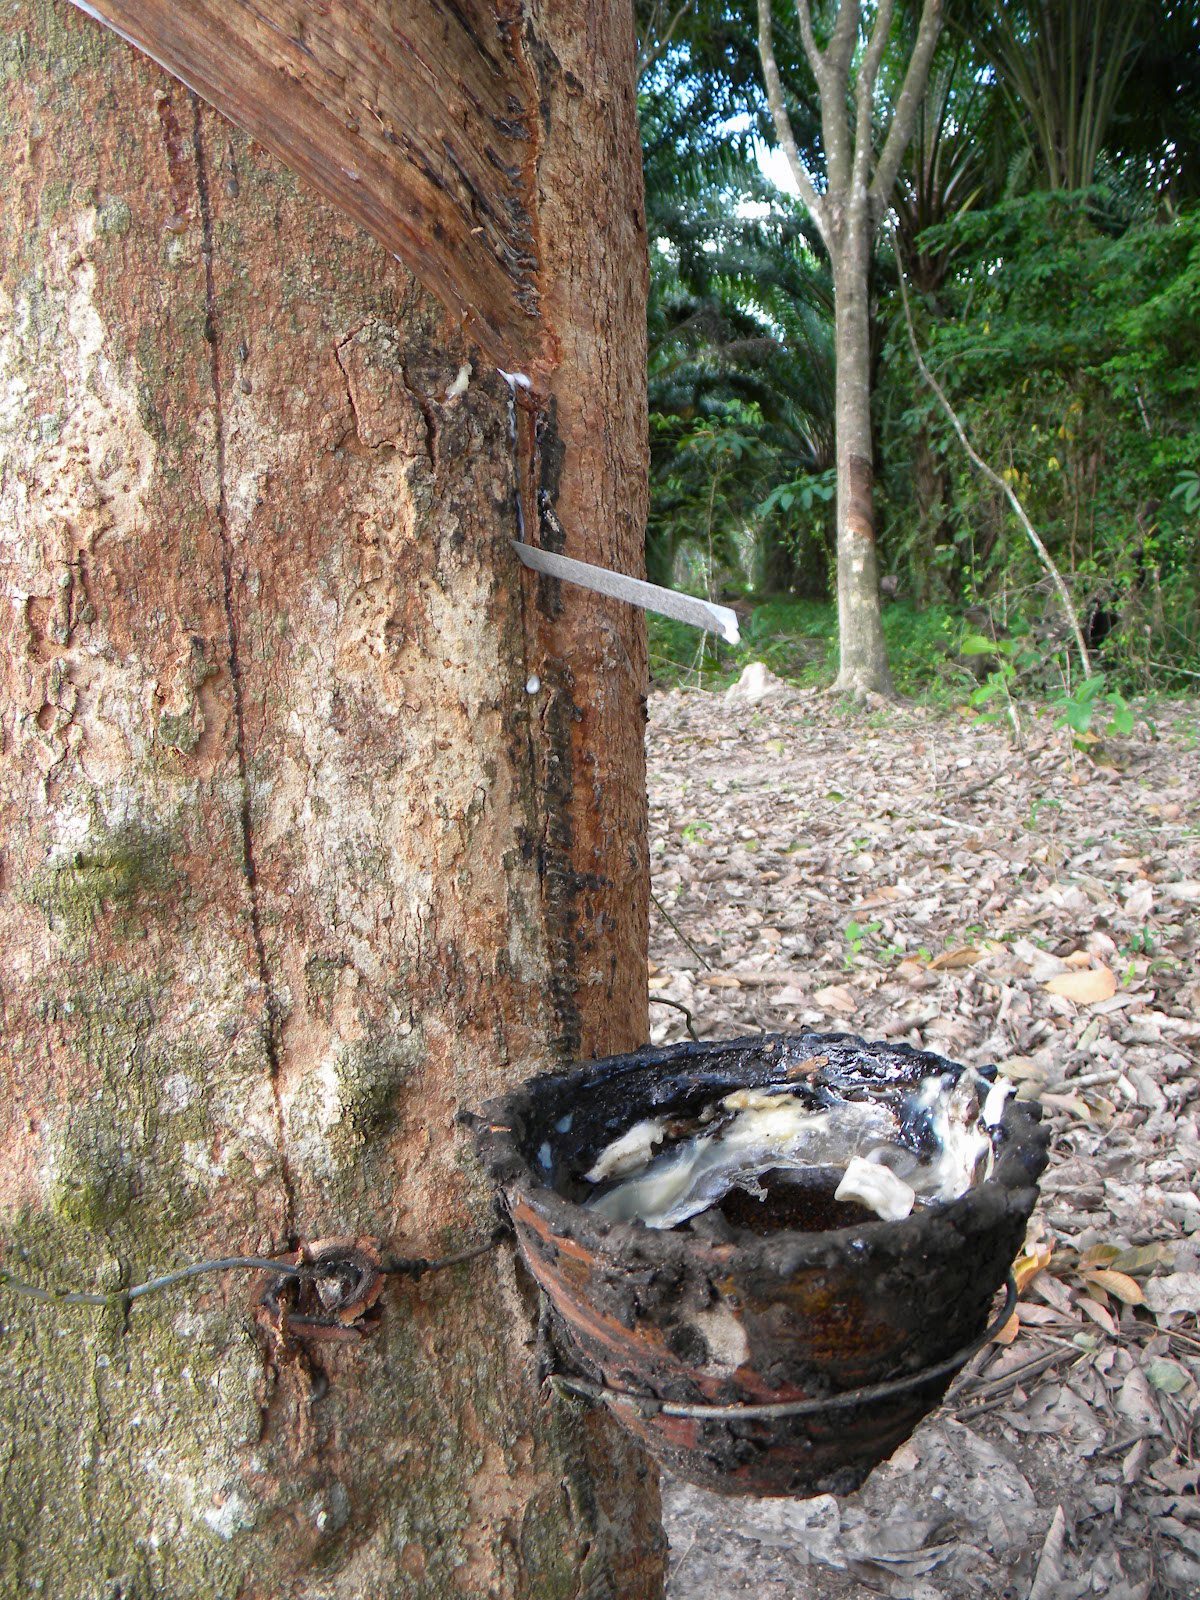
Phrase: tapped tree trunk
(863, 663)
(320, 820)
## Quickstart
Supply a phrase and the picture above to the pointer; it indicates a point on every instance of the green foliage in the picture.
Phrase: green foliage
(1188, 490)
(1069, 345)
(919, 639)
(740, 326)
(805, 493)
(1064, 326)
(797, 639)
(1066, 65)
(1078, 707)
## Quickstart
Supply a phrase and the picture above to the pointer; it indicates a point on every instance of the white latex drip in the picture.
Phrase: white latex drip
(780, 1133)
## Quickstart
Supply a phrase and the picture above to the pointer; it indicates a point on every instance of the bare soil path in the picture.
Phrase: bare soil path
(908, 875)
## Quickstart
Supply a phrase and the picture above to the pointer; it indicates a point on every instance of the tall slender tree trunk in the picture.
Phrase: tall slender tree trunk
(848, 211)
(319, 819)
(862, 652)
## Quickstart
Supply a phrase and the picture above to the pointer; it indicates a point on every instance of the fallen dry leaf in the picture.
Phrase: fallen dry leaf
(907, 842)
(837, 997)
(1143, 1258)
(1027, 1266)
(1168, 1376)
(1119, 1284)
(1020, 1068)
(965, 956)
(880, 897)
(1084, 988)
(1098, 1255)
(1009, 1331)
(1178, 1292)
(1048, 1579)
(1098, 1314)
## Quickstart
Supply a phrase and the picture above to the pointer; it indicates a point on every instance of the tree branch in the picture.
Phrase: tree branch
(992, 477)
(649, 53)
(904, 118)
(808, 37)
(840, 50)
(783, 123)
(832, 72)
(864, 90)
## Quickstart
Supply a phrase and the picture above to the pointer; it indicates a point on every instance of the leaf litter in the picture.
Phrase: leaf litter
(908, 875)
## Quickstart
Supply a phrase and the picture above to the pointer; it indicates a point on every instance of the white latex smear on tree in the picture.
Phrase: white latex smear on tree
(755, 1133)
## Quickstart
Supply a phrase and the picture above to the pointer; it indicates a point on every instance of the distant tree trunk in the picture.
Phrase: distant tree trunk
(319, 820)
(863, 661)
(848, 211)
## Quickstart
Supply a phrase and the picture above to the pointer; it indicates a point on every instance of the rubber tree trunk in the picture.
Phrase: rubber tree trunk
(862, 652)
(319, 821)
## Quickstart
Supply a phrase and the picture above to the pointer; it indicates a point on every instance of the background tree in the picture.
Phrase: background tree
(742, 332)
(320, 820)
(1035, 306)
(848, 208)
(962, 154)
(741, 348)
(1065, 65)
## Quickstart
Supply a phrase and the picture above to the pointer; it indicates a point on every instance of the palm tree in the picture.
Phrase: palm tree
(740, 334)
(1065, 62)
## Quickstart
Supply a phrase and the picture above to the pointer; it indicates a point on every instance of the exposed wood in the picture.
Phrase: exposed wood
(426, 135)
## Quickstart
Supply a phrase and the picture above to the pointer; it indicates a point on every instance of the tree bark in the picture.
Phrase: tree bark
(863, 663)
(320, 819)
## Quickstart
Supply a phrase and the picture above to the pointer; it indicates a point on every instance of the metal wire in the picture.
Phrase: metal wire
(661, 1000)
(651, 1407)
(331, 1266)
(116, 1297)
(417, 1266)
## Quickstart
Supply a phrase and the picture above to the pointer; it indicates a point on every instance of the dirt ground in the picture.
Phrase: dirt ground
(914, 875)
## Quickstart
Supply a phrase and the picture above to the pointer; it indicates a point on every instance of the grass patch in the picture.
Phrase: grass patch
(796, 638)
(798, 641)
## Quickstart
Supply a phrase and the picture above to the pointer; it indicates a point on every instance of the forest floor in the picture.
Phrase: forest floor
(919, 876)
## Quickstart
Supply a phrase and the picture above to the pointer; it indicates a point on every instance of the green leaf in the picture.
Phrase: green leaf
(1122, 716)
(984, 693)
(1166, 1375)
